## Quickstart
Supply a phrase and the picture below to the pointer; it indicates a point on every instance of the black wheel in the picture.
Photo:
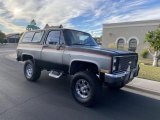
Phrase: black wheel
(31, 71)
(86, 88)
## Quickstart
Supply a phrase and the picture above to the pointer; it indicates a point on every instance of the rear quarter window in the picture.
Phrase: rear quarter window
(37, 36)
(28, 36)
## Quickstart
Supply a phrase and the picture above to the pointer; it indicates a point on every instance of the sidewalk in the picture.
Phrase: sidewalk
(149, 86)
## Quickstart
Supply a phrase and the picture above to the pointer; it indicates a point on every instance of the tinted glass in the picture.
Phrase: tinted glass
(38, 36)
(53, 37)
(74, 37)
(28, 37)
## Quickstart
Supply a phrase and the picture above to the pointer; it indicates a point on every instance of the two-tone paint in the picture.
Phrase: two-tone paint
(62, 56)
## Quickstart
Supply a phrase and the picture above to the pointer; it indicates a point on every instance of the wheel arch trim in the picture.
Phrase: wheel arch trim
(85, 61)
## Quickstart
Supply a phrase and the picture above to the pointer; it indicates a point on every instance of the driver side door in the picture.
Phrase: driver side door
(52, 52)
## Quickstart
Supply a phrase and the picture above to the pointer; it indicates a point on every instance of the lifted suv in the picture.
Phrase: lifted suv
(65, 51)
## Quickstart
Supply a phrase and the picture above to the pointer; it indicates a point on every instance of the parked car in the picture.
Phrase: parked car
(75, 53)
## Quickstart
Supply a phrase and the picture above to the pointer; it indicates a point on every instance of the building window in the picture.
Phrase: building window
(120, 43)
(132, 45)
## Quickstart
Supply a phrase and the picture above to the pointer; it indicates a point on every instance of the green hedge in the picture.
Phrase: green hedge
(144, 53)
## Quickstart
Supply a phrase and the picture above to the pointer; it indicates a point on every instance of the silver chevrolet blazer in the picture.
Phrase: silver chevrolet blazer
(71, 52)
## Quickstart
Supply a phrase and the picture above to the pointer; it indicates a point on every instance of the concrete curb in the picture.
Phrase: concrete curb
(143, 90)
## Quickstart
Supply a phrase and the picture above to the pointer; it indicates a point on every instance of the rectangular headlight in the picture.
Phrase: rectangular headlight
(114, 68)
(114, 64)
(114, 59)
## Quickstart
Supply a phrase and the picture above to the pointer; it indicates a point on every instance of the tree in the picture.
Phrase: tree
(2, 37)
(153, 38)
(32, 26)
(98, 39)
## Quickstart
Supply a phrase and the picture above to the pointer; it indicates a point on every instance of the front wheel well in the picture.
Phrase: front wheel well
(78, 66)
(27, 57)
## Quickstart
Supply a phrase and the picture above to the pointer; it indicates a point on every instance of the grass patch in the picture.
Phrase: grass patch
(147, 71)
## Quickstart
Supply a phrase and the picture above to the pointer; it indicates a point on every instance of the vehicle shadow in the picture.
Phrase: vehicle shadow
(127, 105)
(119, 105)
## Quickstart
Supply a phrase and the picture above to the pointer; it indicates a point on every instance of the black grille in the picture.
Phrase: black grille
(127, 61)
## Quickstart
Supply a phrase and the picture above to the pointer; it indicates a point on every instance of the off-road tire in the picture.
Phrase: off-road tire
(95, 88)
(36, 73)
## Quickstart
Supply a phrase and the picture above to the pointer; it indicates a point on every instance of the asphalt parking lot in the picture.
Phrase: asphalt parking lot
(50, 99)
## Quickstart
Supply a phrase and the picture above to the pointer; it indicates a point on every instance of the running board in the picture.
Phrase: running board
(55, 74)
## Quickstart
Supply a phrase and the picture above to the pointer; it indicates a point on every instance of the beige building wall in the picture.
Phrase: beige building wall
(113, 32)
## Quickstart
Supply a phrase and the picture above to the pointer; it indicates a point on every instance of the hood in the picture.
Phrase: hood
(114, 51)
(111, 52)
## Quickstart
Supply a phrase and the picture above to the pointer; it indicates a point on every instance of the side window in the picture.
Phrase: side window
(28, 37)
(53, 37)
(38, 36)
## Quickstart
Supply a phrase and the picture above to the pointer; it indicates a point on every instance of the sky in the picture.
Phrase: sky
(85, 15)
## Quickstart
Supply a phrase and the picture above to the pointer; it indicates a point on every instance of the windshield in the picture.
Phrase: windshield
(74, 37)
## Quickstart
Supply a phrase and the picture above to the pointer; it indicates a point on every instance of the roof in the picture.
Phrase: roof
(132, 23)
(50, 28)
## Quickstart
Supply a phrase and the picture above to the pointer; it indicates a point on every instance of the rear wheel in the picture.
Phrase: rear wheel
(31, 71)
(85, 88)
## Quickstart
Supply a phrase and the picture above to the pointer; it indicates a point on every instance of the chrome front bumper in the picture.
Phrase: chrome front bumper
(122, 77)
